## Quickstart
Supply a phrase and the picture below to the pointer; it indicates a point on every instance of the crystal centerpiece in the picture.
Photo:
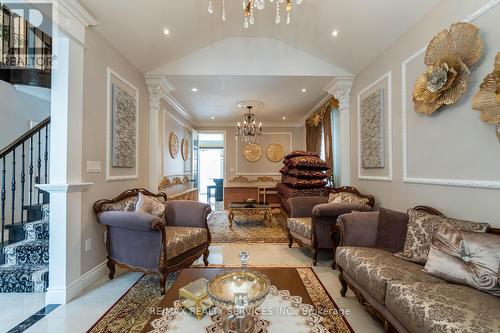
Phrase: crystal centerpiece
(237, 293)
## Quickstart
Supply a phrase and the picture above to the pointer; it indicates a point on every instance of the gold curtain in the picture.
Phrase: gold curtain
(321, 120)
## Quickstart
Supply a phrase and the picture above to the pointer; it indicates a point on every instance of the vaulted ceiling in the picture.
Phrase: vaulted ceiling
(267, 62)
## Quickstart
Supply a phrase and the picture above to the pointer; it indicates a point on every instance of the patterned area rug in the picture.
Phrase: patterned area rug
(247, 230)
(132, 311)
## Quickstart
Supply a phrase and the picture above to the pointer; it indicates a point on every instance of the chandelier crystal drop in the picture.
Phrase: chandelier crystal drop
(250, 5)
(248, 131)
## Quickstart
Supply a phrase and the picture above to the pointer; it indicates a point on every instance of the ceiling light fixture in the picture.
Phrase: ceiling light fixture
(212, 118)
(250, 5)
(166, 32)
(249, 132)
(284, 118)
(304, 90)
(335, 33)
(194, 89)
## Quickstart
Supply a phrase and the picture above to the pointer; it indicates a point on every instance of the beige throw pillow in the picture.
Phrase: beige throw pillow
(421, 227)
(468, 258)
(347, 197)
(150, 205)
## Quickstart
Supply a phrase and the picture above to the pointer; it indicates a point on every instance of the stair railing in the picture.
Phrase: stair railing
(24, 171)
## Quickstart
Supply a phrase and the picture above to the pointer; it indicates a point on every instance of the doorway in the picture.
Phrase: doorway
(211, 168)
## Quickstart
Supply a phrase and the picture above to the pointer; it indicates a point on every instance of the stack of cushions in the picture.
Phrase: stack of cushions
(139, 204)
(303, 175)
(454, 250)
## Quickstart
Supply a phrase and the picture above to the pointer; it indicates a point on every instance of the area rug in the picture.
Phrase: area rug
(247, 231)
(132, 311)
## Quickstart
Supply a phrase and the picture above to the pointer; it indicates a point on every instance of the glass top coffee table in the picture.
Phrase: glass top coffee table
(250, 210)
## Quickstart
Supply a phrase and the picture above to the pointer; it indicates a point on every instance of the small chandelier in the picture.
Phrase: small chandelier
(249, 131)
(250, 5)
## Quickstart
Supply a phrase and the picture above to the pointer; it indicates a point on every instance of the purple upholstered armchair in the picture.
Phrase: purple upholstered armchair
(312, 220)
(151, 244)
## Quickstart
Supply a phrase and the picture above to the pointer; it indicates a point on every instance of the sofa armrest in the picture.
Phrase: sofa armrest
(358, 229)
(303, 206)
(337, 209)
(130, 220)
(185, 213)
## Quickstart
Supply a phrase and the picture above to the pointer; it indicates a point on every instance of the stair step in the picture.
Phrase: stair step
(33, 212)
(24, 278)
(16, 232)
(27, 252)
(37, 230)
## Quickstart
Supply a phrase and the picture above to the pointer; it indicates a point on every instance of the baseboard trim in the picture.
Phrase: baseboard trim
(75, 289)
(93, 275)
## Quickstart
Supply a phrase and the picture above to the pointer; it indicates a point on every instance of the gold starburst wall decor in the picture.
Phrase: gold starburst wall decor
(487, 99)
(449, 56)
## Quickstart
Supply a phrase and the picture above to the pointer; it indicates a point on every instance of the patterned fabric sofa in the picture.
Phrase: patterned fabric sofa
(398, 291)
(151, 244)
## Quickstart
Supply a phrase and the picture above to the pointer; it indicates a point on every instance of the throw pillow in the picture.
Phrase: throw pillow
(296, 153)
(468, 258)
(284, 170)
(347, 197)
(306, 174)
(302, 183)
(421, 226)
(150, 205)
(307, 163)
(391, 230)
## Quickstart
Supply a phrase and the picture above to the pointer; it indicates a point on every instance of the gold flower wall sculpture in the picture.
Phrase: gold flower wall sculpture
(449, 56)
(487, 99)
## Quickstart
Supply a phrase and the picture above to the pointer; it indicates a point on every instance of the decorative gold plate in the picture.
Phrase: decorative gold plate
(252, 152)
(185, 146)
(173, 144)
(275, 152)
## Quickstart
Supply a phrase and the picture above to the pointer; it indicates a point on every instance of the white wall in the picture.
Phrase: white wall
(452, 146)
(99, 55)
(17, 109)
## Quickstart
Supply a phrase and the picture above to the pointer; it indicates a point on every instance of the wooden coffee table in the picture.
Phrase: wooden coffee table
(249, 210)
(282, 278)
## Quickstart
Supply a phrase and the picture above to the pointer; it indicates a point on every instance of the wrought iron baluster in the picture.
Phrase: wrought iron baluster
(30, 171)
(13, 187)
(3, 198)
(23, 180)
(39, 165)
(46, 154)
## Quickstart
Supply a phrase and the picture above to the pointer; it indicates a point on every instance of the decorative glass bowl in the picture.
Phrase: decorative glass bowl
(238, 290)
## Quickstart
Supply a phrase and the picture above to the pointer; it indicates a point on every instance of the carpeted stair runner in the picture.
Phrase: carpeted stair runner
(26, 268)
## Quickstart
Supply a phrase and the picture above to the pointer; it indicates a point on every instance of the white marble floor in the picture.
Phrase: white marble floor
(80, 314)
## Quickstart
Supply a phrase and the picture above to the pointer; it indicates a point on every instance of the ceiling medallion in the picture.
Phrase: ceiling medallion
(250, 5)
(248, 131)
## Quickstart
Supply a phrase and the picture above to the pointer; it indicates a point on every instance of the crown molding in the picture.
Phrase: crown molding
(78, 11)
(233, 124)
(160, 87)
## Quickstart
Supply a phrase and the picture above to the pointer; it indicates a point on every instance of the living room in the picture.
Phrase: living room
(331, 165)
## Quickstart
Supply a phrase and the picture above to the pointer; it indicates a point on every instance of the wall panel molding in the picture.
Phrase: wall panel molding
(387, 127)
(486, 184)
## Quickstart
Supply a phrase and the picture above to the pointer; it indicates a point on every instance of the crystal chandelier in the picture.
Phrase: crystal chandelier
(250, 5)
(249, 131)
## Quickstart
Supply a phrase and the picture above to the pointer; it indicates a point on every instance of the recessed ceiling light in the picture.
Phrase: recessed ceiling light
(304, 90)
(335, 33)
(284, 118)
(166, 32)
(194, 89)
(212, 118)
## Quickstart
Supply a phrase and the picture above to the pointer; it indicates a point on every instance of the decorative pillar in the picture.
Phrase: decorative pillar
(340, 88)
(66, 134)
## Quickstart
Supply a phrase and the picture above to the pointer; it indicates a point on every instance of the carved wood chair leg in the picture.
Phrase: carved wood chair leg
(290, 241)
(163, 281)
(343, 283)
(315, 256)
(388, 328)
(111, 267)
(205, 257)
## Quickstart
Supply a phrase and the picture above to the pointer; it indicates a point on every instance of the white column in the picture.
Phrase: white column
(65, 245)
(340, 88)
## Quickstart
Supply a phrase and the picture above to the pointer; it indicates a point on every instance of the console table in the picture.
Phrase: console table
(181, 192)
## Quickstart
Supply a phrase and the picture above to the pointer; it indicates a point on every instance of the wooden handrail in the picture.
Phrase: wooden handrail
(19, 141)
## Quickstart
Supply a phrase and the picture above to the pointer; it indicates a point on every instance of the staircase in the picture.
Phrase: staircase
(24, 237)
